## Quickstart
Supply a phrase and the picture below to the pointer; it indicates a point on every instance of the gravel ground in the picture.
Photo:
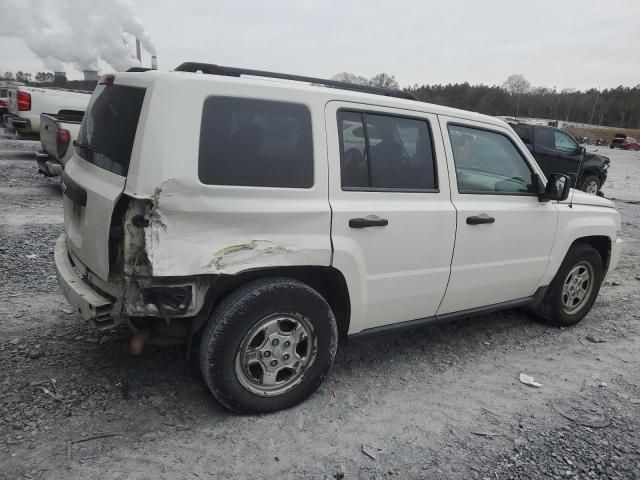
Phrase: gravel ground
(440, 402)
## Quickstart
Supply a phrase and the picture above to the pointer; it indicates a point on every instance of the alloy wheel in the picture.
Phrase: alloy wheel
(275, 353)
(577, 288)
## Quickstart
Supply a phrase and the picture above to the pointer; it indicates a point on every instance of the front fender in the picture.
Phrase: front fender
(577, 222)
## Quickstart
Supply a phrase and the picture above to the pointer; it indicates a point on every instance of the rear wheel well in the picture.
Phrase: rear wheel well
(327, 281)
(601, 243)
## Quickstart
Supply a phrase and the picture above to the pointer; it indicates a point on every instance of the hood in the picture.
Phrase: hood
(595, 157)
(578, 197)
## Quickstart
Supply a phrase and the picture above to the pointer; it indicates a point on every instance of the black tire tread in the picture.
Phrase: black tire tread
(227, 312)
(549, 310)
(589, 177)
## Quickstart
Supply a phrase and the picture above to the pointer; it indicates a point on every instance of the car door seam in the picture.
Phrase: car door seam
(455, 231)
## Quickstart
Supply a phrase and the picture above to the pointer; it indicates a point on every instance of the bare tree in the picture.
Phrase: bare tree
(517, 86)
(384, 81)
(350, 78)
(381, 80)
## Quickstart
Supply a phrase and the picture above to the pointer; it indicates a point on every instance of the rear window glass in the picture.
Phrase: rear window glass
(390, 153)
(109, 127)
(525, 132)
(255, 143)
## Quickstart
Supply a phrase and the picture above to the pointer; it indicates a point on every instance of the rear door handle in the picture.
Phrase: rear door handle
(479, 219)
(370, 221)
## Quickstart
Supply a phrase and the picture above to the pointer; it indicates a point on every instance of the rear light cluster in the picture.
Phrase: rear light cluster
(106, 79)
(24, 101)
(63, 138)
(3, 103)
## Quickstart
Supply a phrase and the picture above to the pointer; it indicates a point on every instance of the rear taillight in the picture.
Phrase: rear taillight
(106, 79)
(3, 103)
(63, 138)
(24, 101)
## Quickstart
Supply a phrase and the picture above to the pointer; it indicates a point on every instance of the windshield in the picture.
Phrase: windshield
(109, 127)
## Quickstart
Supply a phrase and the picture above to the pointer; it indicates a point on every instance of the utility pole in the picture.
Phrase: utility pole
(138, 53)
(594, 107)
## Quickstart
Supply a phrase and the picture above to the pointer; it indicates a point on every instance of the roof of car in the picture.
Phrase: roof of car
(328, 92)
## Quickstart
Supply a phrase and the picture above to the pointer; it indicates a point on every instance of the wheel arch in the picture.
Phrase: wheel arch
(328, 281)
(601, 243)
(588, 172)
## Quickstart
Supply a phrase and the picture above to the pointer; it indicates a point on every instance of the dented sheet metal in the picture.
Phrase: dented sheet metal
(190, 233)
(246, 253)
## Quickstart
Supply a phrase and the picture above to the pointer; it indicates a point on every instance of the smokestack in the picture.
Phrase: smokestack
(154, 62)
(59, 78)
(138, 53)
(90, 75)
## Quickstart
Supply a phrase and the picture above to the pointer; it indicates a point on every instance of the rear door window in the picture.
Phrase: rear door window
(545, 138)
(256, 143)
(525, 132)
(109, 127)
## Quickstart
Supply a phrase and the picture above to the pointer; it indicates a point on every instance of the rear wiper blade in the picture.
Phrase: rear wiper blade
(86, 146)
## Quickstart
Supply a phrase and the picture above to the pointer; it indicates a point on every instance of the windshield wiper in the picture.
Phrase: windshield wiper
(86, 146)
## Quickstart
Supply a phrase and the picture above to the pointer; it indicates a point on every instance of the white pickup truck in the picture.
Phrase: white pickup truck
(27, 103)
(57, 134)
(273, 217)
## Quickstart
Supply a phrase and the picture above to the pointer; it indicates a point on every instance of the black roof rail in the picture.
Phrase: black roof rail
(139, 69)
(213, 69)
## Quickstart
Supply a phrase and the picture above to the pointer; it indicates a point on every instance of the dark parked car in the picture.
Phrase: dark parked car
(558, 152)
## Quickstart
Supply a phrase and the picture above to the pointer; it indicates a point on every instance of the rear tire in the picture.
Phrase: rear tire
(268, 346)
(574, 289)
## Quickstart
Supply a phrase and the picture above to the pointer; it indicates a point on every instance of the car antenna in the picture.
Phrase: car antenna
(583, 150)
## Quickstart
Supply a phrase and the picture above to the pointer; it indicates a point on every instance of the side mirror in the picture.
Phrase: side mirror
(558, 187)
(581, 150)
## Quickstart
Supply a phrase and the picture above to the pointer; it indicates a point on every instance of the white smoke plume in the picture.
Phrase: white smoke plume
(78, 32)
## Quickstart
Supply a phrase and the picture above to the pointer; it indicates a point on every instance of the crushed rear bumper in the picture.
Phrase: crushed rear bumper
(92, 305)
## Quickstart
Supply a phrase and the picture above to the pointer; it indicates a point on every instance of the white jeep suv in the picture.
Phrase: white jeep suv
(270, 215)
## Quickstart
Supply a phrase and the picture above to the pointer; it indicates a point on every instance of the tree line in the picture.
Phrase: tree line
(613, 107)
(27, 78)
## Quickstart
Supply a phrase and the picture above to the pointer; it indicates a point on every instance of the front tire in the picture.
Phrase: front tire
(268, 346)
(590, 184)
(574, 289)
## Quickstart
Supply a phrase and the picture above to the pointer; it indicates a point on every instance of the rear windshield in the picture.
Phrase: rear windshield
(109, 127)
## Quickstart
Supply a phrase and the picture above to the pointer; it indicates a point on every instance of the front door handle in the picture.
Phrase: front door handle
(479, 219)
(370, 221)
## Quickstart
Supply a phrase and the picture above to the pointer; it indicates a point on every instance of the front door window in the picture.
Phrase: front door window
(488, 162)
(564, 143)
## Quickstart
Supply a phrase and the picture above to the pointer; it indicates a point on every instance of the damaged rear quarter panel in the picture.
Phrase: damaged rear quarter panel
(198, 229)
(195, 233)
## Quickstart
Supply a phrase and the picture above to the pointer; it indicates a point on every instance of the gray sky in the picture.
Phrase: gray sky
(559, 43)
